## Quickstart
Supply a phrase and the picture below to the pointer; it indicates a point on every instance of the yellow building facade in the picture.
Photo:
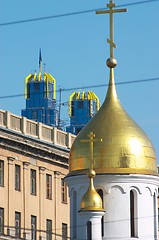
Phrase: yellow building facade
(33, 196)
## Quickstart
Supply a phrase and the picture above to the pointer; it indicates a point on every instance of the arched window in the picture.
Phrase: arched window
(89, 230)
(74, 214)
(133, 214)
(155, 215)
(100, 192)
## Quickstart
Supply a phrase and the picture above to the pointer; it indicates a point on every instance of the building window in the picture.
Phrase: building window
(1, 220)
(33, 227)
(72, 109)
(89, 230)
(17, 177)
(74, 214)
(64, 231)
(48, 229)
(33, 181)
(100, 192)
(17, 224)
(132, 222)
(63, 191)
(48, 186)
(133, 214)
(1, 173)
(155, 215)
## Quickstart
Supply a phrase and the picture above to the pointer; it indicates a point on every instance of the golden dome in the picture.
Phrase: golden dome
(125, 148)
(91, 200)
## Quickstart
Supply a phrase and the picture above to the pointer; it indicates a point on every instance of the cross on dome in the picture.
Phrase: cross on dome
(91, 139)
(111, 11)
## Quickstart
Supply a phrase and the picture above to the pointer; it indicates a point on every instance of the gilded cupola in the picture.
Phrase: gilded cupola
(91, 201)
(125, 148)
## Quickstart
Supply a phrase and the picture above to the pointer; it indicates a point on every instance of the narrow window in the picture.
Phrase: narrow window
(33, 227)
(132, 214)
(33, 181)
(158, 218)
(74, 214)
(48, 186)
(63, 191)
(89, 230)
(100, 192)
(64, 231)
(28, 90)
(155, 215)
(1, 221)
(1, 173)
(72, 109)
(17, 177)
(17, 224)
(48, 229)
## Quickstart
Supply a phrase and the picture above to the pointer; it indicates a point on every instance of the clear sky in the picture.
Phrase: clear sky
(74, 50)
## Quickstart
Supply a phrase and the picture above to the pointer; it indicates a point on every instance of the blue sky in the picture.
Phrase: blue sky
(74, 50)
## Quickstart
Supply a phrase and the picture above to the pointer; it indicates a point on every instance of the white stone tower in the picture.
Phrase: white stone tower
(125, 166)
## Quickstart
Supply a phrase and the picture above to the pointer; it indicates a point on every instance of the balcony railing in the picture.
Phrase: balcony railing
(36, 129)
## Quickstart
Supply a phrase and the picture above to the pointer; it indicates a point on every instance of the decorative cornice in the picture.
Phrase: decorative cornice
(33, 148)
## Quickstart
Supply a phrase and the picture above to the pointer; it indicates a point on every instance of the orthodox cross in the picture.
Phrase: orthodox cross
(111, 10)
(91, 139)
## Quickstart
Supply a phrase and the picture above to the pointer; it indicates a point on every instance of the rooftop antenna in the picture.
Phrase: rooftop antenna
(40, 61)
(44, 66)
